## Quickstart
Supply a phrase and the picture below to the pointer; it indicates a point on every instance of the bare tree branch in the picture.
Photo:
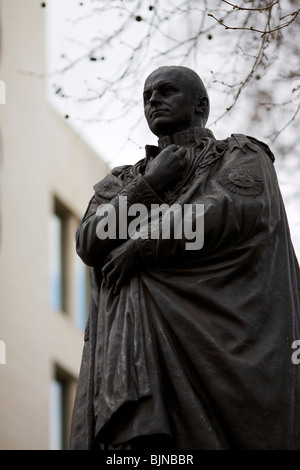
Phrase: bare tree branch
(251, 9)
(252, 44)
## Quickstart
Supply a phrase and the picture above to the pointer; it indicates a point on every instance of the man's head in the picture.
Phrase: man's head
(175, 99)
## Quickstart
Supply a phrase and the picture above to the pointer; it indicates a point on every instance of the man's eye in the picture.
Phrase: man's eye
(168, 90)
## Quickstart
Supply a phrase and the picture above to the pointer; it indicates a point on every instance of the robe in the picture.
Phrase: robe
(197, 345)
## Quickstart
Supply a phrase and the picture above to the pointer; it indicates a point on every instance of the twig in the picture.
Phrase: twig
(251, 9)
(276, 134)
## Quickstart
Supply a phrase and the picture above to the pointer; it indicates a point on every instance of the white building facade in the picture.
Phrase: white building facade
(46, 177)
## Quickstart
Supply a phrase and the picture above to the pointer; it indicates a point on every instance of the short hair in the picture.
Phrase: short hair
(197, 86)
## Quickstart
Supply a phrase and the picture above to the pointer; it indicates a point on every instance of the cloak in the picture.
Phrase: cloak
(198, 344)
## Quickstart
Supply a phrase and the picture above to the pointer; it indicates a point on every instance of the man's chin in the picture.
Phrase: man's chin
(162, 126)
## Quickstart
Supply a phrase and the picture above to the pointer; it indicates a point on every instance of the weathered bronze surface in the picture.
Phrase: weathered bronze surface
(191, 349)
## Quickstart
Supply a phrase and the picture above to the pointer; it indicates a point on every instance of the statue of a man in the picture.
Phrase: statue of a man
(189, 347)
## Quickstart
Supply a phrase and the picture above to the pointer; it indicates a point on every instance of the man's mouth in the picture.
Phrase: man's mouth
(157, 112)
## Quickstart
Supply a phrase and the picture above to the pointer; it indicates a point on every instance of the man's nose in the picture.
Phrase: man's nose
(155, 97)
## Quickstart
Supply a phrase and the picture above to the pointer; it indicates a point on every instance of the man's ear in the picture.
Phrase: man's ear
(201, 104)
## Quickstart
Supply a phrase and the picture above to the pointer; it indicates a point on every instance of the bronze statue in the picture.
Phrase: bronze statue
(189, 348)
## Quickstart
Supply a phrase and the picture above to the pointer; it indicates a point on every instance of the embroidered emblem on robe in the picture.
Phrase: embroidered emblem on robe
(241, 180)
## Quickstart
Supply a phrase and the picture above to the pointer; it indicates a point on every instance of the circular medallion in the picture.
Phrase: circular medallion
(241, 180)
(109, 187)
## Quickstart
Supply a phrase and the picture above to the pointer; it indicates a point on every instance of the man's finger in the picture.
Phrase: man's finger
(181, 151)
(172, 147)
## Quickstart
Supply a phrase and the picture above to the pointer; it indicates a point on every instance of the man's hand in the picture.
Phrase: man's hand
(120, 265)
(165, 170)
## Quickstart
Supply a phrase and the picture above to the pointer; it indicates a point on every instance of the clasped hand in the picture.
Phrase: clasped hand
(166, 169)
(163, 172)
(120, 265)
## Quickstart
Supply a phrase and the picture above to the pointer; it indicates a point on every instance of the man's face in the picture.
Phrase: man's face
(168, 102)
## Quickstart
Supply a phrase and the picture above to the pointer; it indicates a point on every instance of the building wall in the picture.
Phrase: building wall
(40, 157)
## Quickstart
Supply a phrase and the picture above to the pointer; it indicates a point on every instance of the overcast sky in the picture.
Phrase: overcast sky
(72, 30)
(121, 141)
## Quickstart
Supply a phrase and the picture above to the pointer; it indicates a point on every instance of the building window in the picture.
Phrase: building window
(69, 276)
(62, 392)
(58, 258)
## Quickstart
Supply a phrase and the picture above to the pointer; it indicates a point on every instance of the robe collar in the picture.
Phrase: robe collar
(186, 137)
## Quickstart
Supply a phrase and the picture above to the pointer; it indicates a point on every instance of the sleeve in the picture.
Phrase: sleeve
(110, 194)
(237, 204)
